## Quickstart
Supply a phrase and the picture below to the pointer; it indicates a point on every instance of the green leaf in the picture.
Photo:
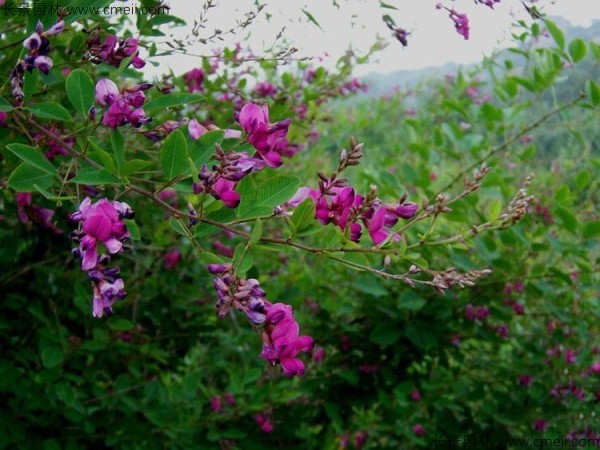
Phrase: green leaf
(591, 230)
(5, 106)
(174, 155)
(495, 210)
(567, 218)
(51, 196)
(593, 92)
(52, 357)
(202, 149)
(101, 156)
(386, 5)
(271, 193)
(369, 285)
(134, 165)
(242, 260)
(118, 145)
(256, 231)
(304, 214)
(556, 33)
(176, 224)
(386, 333)
(93, 176)
(411, 300)
(25, 178)
(133, 229)
(311, 18)
(80, 90)
(33, 157)
(121, 325)
(577, 49)
(170, 100)
(50, 110)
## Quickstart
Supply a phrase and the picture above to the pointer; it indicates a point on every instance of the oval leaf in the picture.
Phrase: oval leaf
(50, 110)
(80, 90)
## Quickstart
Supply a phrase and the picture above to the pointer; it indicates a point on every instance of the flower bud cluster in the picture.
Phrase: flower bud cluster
(101, 223)
(38, 46)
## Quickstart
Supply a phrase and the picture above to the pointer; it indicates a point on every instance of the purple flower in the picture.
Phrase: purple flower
(269, 139)
(215, 404)
(419, 430)
(171, 259)
(461, 23)
(224, 190)
(264, 422)
(525, 380)
(540, 425)
(195, 129)
(281, 342)
(33, 42)
(194, 80)
(265, 89)
(113, 51)
(101, 223)
(123, 107)
(106, 92)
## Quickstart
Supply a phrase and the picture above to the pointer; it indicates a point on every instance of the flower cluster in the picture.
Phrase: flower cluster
(122, 107)
(38, 47)
(194, 80)
(113, 51)
(461, 21)
(279, 329)
(269, 140)
(28, 212)
(339, 204)
(101, 223)
(489, 3)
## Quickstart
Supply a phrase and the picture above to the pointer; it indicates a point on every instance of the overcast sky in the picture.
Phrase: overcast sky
(433, 40)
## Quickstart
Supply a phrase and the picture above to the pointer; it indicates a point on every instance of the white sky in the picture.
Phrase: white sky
(433, 40)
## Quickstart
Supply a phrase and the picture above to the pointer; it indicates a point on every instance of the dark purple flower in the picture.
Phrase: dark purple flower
(194, 80)
(419, 430)
(171, 259)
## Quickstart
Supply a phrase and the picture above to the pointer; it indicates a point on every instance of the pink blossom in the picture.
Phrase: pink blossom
(281, 342)
(171, 259)
(194, 80)
(264, 422)
(419, 430)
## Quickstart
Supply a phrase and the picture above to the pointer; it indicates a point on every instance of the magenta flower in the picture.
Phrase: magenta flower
(224, 190)
(101, 223)
(265, 89)
(489, 3)
(281, 342)
(123, 107)
(419, 430)
(28, 212)
(194, 80)
(264, 422)
(108, 288)
(171, 259)
(269, 139)
(525, 380)
(461, 23)
(3, 118)
(415, 396)
(540, 425)
(215, 404)
(113, 52)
